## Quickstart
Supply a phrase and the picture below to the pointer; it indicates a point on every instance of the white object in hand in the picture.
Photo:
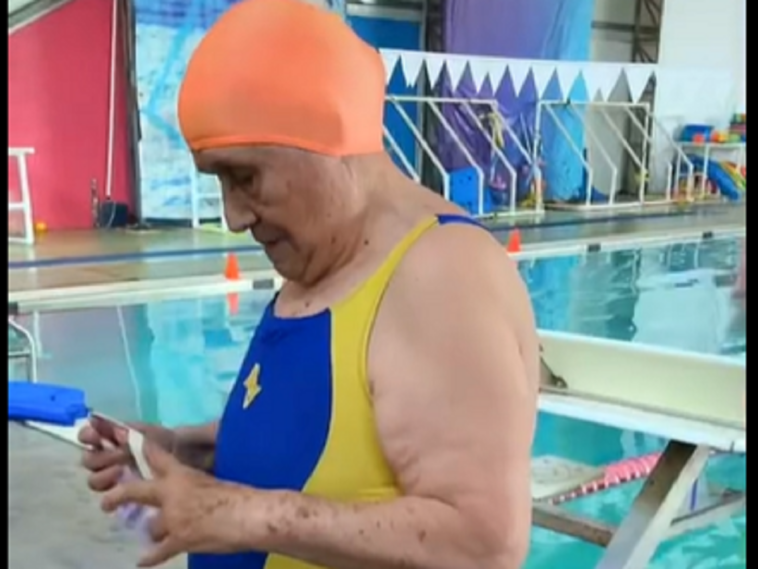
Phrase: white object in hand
(134, 516)
(137, 448)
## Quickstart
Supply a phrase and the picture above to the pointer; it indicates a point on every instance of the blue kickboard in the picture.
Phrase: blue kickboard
(45, 403)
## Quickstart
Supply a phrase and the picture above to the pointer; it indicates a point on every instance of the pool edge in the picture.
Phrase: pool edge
(129, 292)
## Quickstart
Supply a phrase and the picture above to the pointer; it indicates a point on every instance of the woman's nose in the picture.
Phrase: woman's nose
(239, 215)
(238, 220)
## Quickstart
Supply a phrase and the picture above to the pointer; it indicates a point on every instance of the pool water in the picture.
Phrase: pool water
(173, 362)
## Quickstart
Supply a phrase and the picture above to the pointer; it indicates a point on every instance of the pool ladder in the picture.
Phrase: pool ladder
(28, 352)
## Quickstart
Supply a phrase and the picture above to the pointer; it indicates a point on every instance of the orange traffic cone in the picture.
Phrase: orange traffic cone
(514, 242)
(232, 269)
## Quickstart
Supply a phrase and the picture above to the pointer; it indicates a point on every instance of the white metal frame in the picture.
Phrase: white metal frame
(197, 196)
(25, 205)
(30, 355)
(595, 139)
(547, 108)
(467, 106)
(707, 150)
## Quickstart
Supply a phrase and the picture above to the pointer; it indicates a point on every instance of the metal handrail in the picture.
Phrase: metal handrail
(395, 102)
(32, 354)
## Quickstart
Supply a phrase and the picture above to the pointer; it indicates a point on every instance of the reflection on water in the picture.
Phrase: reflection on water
(677, 296)
(173, 362)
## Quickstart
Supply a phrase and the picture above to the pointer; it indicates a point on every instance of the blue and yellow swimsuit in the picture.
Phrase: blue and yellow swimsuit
(300, 415)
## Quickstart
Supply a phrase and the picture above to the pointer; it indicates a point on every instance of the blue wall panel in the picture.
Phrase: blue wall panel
(394, 34)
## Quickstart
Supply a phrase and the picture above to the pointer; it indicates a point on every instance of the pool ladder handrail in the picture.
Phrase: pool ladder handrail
(31, 354)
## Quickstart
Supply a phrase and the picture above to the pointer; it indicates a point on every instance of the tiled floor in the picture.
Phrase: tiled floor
(99, 257)
(54, 521)
(73, 245)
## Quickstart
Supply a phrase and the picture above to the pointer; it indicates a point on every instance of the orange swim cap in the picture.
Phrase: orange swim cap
(283, 72)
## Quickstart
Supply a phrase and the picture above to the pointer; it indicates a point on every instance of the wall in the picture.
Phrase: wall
(612, 44)
(392, 29)
(702, 54)
(58, 77)
(703, 34)
(609, 45)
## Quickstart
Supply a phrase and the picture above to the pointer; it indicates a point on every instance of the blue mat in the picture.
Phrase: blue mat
(45, 403)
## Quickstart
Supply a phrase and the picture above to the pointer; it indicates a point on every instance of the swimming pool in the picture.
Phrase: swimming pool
(172, 361)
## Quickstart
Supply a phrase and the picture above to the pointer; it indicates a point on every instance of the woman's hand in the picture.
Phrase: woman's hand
(194, 513)
(105, 459)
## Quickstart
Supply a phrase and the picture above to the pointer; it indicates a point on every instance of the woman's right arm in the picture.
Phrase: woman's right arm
(199, 433)
(195, 446)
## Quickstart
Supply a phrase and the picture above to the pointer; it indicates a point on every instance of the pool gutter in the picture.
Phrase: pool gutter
(136, 292)
(267, 280)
